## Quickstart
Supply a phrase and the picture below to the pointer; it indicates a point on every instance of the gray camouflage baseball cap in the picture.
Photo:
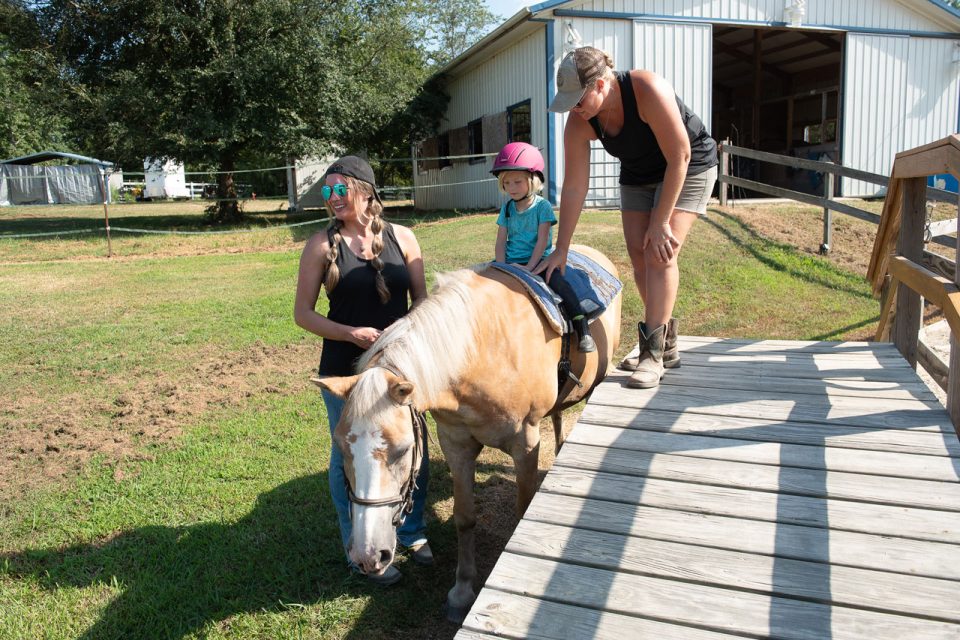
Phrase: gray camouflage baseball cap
(578, 71)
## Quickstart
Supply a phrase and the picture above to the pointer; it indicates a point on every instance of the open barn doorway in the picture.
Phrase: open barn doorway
(778, 90)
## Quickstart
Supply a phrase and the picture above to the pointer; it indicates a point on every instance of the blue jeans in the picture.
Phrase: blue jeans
(412, 531)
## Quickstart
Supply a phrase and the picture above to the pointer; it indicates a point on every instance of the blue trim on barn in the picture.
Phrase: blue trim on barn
(549, 4)
(615, 15)
(551, 117)
(940, 4)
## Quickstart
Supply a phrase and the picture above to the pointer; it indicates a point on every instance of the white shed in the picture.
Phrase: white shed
(852, 81)
(164, 178)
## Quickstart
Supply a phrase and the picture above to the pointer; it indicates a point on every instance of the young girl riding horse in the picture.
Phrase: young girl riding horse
(525, 235)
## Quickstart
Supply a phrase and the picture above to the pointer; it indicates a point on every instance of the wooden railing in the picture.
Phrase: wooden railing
(895, 270)
(830, 173)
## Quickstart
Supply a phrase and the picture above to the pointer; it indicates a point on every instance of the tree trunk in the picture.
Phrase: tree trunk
(227, 209)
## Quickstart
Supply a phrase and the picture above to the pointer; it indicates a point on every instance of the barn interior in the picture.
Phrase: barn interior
(778, 90)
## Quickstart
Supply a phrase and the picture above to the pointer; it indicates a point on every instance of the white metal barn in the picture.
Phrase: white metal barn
(852, 81)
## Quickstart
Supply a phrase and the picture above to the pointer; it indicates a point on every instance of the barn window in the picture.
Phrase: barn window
(475, 140)
(443, 149)
(518, 122)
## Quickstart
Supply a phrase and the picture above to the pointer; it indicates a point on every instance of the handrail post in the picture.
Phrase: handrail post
(906, 322)
(724, 171)
(953, 375)
(827, 213)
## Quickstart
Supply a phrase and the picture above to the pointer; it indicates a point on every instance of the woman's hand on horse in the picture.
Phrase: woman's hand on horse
(364, 337)
(556, 260)
(664, 243)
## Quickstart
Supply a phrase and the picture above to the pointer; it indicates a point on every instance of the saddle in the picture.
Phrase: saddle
(595, 287)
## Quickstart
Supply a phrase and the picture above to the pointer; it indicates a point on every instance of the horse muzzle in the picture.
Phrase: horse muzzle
(374, 539)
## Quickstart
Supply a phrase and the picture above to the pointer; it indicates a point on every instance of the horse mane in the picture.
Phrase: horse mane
(429, 346)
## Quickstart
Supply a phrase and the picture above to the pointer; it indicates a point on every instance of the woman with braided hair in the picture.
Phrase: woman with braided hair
(372, 271)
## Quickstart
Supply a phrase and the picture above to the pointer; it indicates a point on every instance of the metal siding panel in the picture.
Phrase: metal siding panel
(681, 53)
(931, 92)
(616, 38)
(512, 76)
(876, 14)
(874, 106)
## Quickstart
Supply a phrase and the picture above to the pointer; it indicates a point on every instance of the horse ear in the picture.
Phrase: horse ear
(401, 392)
(338, 386)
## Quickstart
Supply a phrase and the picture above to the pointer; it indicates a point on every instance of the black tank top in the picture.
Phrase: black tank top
(641, 160)
(354, 301)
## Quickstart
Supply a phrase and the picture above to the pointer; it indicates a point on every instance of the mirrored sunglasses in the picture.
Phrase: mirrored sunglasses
(327, 191)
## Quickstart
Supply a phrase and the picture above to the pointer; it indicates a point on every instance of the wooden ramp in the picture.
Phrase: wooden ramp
(766, 489)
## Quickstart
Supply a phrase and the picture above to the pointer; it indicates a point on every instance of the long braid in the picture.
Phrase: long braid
(375, 209)
(333, 272)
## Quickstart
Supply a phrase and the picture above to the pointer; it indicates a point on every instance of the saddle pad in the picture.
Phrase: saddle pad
(595, 286)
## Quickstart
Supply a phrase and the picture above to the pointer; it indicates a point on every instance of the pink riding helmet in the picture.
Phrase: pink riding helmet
(518, 156)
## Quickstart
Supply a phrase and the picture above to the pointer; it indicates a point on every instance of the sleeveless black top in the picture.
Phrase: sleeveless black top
(354, 301)
(641, 160)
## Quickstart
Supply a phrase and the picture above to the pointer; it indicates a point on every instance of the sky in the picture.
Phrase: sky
(506, 8)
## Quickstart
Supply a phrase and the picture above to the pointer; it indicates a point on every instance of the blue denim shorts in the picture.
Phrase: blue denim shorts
(693, 196)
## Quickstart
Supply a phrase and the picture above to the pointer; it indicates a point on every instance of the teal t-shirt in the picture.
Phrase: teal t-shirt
(522, 228)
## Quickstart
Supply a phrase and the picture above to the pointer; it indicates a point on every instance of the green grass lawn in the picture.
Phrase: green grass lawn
(166, 456)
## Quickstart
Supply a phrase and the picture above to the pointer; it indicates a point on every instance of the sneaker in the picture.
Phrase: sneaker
(391, 576)
(586, 344)
(421, 554)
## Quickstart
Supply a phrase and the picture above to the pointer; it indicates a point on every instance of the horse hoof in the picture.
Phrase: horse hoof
(455, 614)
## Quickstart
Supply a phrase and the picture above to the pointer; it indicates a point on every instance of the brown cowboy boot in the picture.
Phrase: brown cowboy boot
(671, 354)
(649, 369)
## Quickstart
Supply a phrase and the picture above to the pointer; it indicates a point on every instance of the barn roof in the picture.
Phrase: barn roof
(44, 156)
(524, 21)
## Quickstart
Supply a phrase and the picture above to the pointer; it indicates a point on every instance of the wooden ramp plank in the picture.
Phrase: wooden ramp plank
(891, 413)
(860, 588)
(844, 548)
(803, 346)
(723, 610)
(907, 492)
(809, 456)
(743, 377)
(907, 522)
(919, 440)
(511, 615)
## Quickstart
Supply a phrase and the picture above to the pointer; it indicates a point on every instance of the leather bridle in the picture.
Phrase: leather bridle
(404, 499)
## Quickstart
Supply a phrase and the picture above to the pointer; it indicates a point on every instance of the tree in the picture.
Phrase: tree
(219, 83)
(210, 82)
(31, 116)
(455, 25)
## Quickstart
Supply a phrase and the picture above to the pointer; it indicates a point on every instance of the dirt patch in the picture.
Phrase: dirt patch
(802, 227)
(43, 441)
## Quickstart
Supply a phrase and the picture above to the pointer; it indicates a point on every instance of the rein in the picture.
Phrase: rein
(405, 498)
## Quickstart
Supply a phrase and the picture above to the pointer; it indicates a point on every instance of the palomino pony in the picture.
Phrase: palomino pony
(478, 354)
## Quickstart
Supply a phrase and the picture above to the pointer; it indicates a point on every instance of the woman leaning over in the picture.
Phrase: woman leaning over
(371, 271)
(668, 166)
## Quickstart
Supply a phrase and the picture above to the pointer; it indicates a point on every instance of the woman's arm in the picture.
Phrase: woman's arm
(414, 261)
(576, 179)
(657, 106)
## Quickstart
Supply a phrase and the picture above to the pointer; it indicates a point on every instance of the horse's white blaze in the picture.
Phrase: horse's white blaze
(366, 468)
(370, 524)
